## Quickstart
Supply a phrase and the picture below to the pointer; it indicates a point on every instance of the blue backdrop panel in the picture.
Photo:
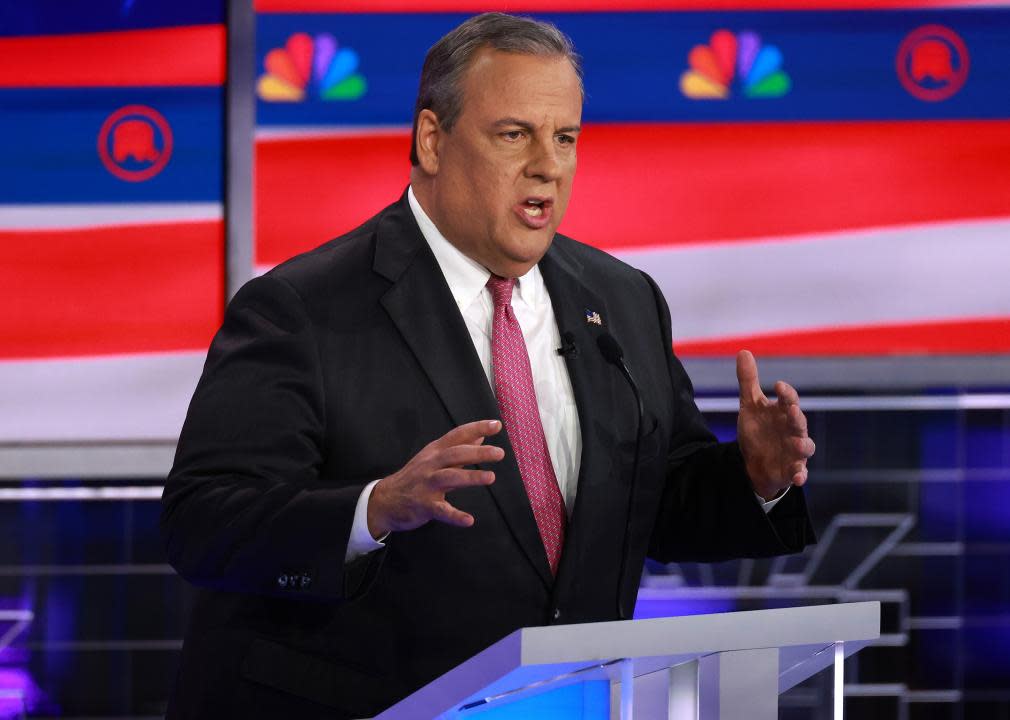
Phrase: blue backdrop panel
(49, 145)
(841, 64)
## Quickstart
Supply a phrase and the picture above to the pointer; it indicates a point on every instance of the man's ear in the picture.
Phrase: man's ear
(429, 133)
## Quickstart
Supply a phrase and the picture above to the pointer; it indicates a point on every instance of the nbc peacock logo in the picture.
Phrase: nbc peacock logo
(306, 64)
(734, 61)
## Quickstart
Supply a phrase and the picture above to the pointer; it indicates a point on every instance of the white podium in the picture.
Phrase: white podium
(726, 666)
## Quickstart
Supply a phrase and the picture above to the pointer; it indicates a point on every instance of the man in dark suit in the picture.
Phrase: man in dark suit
(343, 491)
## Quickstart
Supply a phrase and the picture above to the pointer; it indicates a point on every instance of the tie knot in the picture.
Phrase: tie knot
(501, 290)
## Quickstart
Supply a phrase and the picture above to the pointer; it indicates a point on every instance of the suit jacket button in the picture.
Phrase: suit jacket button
(557, 613)
(282, 580)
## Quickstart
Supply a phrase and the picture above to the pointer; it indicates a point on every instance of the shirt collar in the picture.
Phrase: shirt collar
(467, 278)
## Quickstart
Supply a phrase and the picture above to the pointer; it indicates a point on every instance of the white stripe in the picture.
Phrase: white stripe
(920, 273)
(266, 133)
(52, 217)
(839, 687)
(50, 494)
(128, 397)
(859, 403)
(16, 615)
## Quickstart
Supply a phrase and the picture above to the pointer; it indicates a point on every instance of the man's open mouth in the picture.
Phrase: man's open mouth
(534, 207)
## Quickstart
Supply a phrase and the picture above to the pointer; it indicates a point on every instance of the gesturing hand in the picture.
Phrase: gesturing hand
(415, 494)
(773, 436)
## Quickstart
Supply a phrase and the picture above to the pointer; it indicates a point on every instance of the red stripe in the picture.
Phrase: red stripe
(397, 6)
(136, 288)
(696, 183)
(310, 190)
(193, 56)
(955, 337)
(655, 185)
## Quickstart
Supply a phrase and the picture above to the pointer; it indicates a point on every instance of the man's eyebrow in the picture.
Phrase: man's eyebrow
(526, 125)
(513, 122)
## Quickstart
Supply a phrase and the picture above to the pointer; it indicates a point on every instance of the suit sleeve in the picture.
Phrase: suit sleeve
(244, 507)
(707, 512)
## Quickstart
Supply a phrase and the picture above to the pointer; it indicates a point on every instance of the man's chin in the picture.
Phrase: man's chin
(521, 261)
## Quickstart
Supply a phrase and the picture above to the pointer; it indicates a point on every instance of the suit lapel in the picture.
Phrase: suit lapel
(422, 308)
(595, 390)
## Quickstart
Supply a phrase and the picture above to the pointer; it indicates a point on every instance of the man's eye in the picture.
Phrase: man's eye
(513, 134)
(566, 139)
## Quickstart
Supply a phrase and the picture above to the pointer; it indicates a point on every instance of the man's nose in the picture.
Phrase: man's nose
(544, 162)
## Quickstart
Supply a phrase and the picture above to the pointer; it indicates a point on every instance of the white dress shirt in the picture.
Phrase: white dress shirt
(531, 303)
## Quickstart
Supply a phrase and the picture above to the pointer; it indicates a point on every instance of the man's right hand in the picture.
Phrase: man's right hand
(416, 493)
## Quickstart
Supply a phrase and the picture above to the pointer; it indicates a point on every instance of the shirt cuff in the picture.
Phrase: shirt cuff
(361, 541)
(766, 506)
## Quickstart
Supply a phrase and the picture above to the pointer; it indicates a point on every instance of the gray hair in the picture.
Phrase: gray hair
(446, 62)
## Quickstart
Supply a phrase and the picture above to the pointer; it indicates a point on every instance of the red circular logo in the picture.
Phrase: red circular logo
(135, 143)
(932, 62)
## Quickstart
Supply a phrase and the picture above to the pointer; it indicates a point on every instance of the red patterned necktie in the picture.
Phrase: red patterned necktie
(517, 400)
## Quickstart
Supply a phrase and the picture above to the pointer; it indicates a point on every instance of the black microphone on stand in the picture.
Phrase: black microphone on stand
(568, 350)
(614, 355)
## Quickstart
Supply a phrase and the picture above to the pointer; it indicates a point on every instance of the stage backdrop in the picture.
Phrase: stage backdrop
(806, 179)
(817, 181)
(111, 220)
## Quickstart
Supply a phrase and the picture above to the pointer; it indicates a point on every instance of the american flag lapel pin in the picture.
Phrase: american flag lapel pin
(593, 317)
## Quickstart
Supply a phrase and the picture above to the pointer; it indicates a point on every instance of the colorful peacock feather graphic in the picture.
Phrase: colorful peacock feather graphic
(714, 67)
(332, 70)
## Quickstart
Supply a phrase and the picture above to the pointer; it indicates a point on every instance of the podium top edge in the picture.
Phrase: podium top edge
(718, 632)
(653, 637)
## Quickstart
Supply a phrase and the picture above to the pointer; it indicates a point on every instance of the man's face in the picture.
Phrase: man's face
(504, 171)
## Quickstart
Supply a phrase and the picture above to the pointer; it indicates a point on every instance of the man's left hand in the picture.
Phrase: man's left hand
(772, 435)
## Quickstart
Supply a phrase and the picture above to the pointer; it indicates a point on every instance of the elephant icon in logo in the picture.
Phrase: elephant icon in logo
(132, 136)
(932, 58)
(134, 139)
(932, 63)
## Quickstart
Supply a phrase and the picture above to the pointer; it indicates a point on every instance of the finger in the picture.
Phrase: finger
(797, 472)
(802, 446)
(797, 420)
(747, 377)
(468, 434)
(786, 393)
(453, 478)
(800, 477)
(478, 441)
(444, 512)
(460, 455)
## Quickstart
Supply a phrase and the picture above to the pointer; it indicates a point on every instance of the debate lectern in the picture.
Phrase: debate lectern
(726, 666)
